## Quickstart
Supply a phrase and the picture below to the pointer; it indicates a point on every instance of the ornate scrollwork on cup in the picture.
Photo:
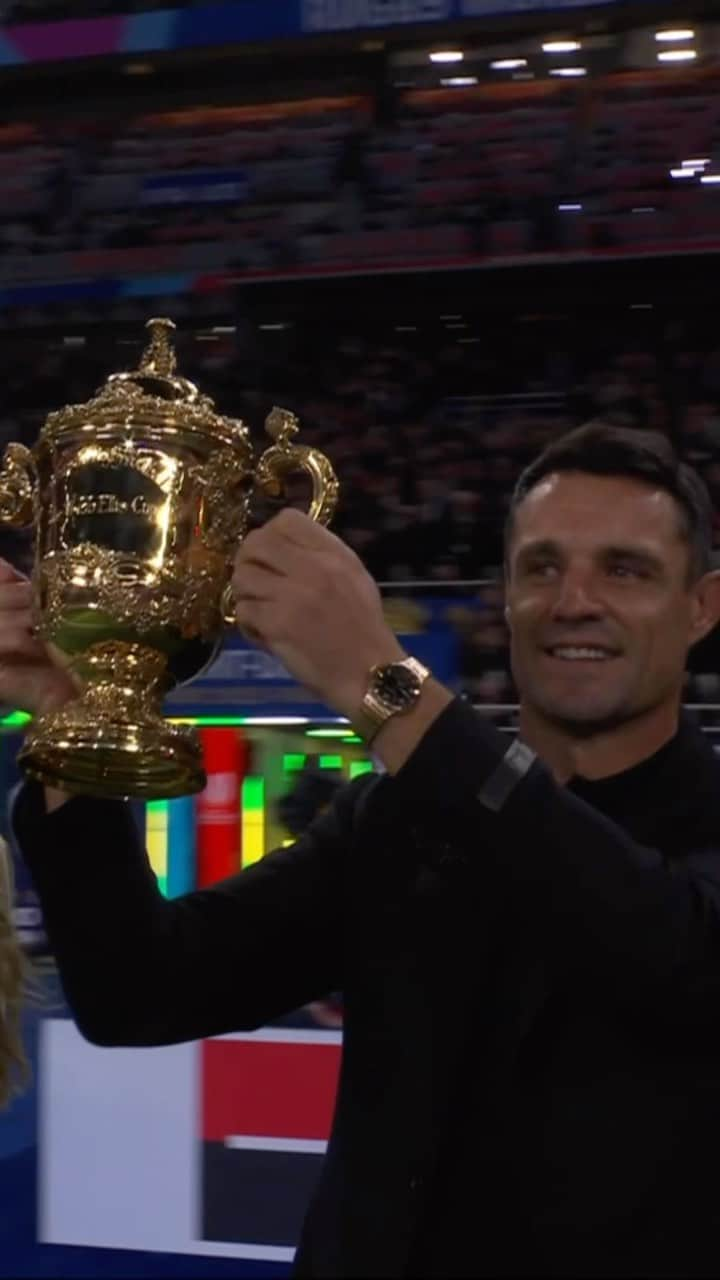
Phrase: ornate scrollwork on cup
(17, 486)
(226, 481)
(122, 586)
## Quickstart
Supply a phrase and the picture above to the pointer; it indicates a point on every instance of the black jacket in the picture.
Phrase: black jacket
(531, 1068)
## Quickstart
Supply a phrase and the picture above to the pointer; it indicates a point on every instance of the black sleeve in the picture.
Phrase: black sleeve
(138, 969)
(645, 929)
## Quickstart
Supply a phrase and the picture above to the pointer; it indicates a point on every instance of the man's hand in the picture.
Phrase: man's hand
(29, 678)
(305, 596)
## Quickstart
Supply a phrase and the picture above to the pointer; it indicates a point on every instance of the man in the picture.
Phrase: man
(527, 936)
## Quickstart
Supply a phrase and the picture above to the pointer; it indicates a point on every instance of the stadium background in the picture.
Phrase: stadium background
(440, 264)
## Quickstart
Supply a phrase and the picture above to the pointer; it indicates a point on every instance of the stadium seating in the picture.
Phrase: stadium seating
(296, 185)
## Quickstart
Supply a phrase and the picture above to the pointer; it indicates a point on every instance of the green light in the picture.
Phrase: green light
(330, 762)
(294, 762)
(15, 720)
(325, 733)
(209, 722)
(260, 722)
(253, 820)
(253, 794)
(352, 737)
(360, 766)
(156, 840)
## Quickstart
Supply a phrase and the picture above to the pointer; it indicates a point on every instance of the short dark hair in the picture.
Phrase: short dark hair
(600, 449)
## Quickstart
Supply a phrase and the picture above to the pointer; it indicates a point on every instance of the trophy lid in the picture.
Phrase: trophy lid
(152, 398)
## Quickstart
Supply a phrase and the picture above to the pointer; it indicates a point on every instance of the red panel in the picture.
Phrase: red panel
(218, 806)
(274, 1090)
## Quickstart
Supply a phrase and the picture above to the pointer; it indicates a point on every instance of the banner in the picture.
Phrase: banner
(243, 22)
(488, 8)
(348, 15)
(208, 1150)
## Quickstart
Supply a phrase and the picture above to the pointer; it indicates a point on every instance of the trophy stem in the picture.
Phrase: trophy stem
(113, 741)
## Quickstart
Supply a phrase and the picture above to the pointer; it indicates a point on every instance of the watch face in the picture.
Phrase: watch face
(396, 687)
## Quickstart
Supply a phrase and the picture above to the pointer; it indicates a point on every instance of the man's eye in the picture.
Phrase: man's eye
(542, 568)
(627, 571)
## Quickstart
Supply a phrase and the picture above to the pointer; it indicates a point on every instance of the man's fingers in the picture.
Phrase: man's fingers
(275, 554)
(19, 620)
(10, 574)
(17, 633)
(16, 641)
(297, 527)
(252, 582)
(253, 620)
(15, 596)
(265, 548)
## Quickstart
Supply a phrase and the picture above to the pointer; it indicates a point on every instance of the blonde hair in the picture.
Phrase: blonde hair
(14, 975)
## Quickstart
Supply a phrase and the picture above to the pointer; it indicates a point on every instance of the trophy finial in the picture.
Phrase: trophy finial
(281, 425)
(159, 355)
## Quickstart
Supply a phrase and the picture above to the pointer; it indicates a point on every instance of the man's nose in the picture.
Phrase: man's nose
(577, 597)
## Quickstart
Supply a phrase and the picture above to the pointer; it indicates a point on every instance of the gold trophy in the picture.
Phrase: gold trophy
(139, 500)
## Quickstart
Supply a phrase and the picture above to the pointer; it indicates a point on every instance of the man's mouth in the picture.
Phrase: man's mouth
(581, 653)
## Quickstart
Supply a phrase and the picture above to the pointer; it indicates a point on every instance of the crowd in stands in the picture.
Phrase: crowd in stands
(448, 175)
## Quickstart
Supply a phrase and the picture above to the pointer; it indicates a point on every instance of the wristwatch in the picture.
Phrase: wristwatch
(393, 689)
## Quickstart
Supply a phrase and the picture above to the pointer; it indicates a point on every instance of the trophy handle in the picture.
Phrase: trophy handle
(17, 487)
(284, 458)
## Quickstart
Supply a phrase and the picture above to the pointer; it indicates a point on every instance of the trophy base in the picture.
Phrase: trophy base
(121, 761)
(113, 741)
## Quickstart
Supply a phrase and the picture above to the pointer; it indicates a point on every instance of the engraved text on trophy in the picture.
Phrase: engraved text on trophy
(120, 508)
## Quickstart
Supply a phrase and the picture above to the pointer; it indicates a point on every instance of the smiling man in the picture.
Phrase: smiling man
(526, 935)
(608, 586)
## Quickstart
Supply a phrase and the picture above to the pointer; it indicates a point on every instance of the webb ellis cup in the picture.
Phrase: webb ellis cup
(139, 500)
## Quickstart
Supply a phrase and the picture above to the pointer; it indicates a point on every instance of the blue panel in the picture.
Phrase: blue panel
(10, 56)
(244, 681)
(181, 846)
(153, 286)
(147, 32)
(238, 23)
(37, 294)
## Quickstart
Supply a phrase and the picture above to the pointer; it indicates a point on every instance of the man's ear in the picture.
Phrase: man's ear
(706, 606)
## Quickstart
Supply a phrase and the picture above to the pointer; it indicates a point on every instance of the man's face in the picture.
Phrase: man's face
(599, 602)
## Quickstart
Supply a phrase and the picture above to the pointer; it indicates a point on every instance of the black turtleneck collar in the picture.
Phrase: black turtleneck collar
(671, 800)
